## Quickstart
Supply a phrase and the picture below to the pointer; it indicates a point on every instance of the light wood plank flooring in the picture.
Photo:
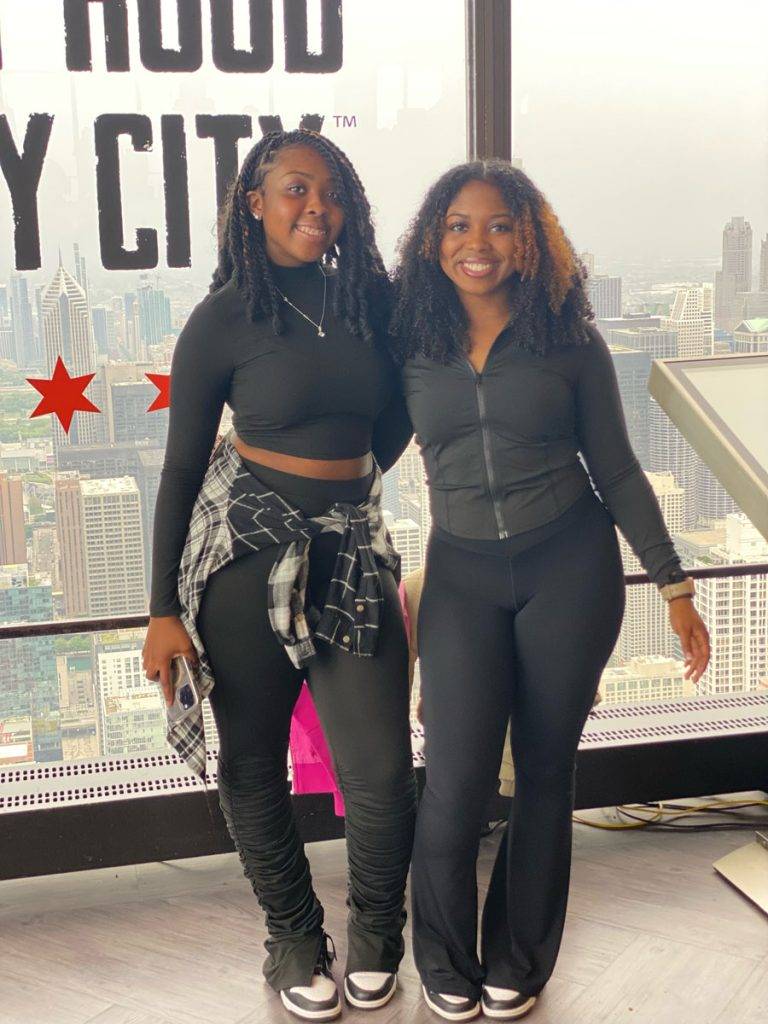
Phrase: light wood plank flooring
(653, 936)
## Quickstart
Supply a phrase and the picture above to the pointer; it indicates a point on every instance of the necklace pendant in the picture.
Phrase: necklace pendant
(321, 334)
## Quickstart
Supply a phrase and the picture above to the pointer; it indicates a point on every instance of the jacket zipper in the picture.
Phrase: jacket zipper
(487, 452)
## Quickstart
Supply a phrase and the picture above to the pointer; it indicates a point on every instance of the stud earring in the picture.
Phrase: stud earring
(257, 216)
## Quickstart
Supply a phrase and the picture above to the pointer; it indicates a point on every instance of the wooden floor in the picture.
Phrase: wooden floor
(654, 936)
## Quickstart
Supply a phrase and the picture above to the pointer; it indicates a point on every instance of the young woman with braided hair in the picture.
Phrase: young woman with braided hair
(509, 385)
(272, 563)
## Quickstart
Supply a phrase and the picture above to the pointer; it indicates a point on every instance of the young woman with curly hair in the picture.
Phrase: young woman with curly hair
(507, 383)
(271, 560)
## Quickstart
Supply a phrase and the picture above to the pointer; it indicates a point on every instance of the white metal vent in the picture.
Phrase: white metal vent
(29, 787)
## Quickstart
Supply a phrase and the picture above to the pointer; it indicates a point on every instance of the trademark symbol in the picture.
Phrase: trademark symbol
(345, 120)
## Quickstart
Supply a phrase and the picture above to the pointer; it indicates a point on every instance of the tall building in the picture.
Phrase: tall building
(114, 546)
(150, 466)
(413, 493)
(735, 610)
(669, 452)
(605, 295)
(632, 371)
(13, 548)
(713, 502)
(737, 252)
(25, 354)
(70, 536)
(406, 538)
(390, 495)
(67, 332)
(81, 274)
(104, 331)
(154, 312)
(733, 282)
(691, 319)
(762, 284)
(645, 630)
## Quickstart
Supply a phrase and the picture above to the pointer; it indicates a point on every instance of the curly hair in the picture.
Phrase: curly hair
(360, 298)
(548, 301)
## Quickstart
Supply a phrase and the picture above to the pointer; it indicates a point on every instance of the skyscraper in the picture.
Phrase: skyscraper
(13, 548)
(669, 452)
(104, 329)
(113, 544)
(81, 274)
(737, 252)
(763, 279)
(734, 280)
(645, 630)
(691, 319)
(154, 312)
(68, 332)
(605, 295)
(632, 371)
(735, 611)
(70, 533)
(25, 355)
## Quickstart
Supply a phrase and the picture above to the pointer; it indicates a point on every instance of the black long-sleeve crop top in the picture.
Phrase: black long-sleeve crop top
(332, 397)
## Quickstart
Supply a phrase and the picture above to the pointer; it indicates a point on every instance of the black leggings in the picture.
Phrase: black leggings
(363, 704)
(522, 638)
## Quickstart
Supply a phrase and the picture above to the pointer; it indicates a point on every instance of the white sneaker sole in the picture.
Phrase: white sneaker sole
(467, 1015)
(297, 1011)
(510, 1014)
(368, 1004)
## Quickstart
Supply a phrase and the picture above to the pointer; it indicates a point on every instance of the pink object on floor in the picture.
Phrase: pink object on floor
(310, 756)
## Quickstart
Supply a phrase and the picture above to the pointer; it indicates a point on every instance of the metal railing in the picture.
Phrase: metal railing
(58, 627)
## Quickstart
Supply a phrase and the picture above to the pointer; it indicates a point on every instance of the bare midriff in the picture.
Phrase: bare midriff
(318, 469)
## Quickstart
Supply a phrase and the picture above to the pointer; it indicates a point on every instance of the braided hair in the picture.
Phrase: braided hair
(360, 298)
(549, 304)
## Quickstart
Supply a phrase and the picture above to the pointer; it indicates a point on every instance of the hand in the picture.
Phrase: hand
(694, 638)
(166, 637)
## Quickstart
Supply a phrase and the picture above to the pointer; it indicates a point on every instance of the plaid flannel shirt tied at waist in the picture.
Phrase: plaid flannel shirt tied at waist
(234, 514)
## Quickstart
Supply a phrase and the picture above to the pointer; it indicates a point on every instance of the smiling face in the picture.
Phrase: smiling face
(298, 206)
(479, 249)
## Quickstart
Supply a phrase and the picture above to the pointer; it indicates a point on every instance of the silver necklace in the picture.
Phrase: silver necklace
(319, 326)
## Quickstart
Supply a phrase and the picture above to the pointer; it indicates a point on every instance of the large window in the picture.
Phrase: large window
(644, 126)
(77, 506)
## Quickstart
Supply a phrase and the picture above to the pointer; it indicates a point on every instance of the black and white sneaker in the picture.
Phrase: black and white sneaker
(320, 999)
(451, 1007)
(505, 1003)
(368, 990)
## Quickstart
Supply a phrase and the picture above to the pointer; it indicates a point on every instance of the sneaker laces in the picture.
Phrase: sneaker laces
(325, 956)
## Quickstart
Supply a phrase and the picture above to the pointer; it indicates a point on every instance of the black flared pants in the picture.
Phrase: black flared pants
(522, 638)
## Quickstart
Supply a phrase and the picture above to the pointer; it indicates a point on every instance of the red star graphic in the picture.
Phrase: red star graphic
(62, 394)
(162, 382)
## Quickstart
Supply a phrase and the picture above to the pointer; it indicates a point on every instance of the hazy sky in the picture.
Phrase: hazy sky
(646, 123)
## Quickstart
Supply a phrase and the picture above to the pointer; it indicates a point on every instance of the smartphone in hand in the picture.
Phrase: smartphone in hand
(185, 689)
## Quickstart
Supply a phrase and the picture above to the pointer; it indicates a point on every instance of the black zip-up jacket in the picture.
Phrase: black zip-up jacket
(501, 448)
